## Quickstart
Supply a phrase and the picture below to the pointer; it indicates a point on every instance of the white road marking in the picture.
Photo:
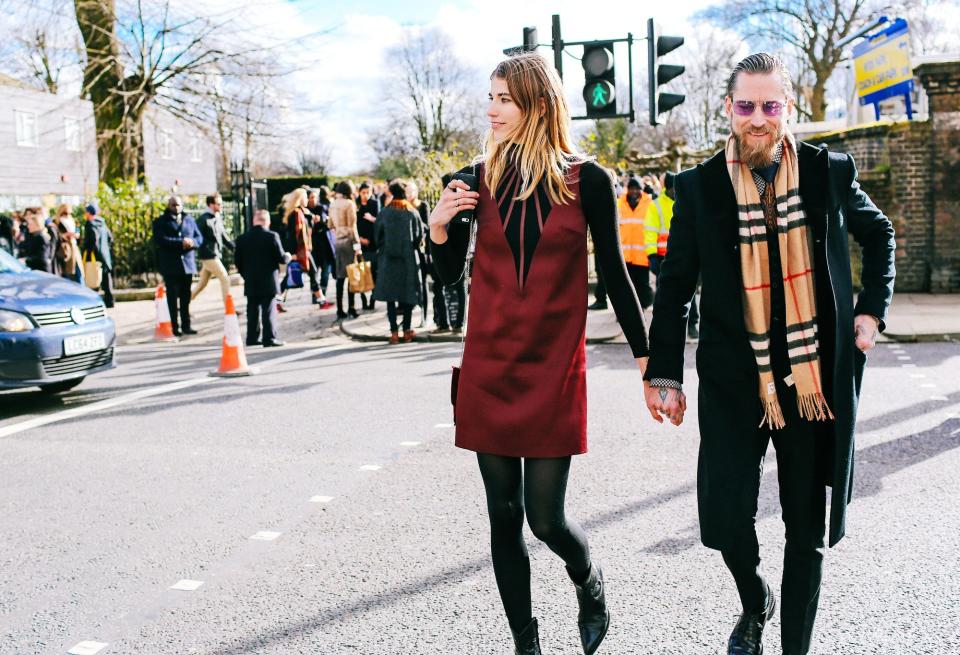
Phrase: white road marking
(903, 358)
(917, 376)
(939, 398)
(187, 585)
(265, 535)
(410, 443)
(443, 425)
(908, 365)
(321, 499)
(370, 467)
(87, 648)
(928, 386)
(126, 399)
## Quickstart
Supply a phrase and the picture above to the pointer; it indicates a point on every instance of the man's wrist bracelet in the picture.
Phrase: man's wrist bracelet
(663, 382)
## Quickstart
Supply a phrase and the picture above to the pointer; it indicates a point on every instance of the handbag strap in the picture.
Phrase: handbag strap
(467, 273)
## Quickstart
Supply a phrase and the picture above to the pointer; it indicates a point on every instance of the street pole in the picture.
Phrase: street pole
(557, 46)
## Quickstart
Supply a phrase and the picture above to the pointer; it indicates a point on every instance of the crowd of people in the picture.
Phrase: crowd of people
(56, 244)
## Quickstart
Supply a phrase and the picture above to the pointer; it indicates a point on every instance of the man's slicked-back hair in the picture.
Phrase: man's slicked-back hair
(759, 63)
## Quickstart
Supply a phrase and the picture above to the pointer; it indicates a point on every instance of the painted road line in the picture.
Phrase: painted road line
(908, 365)
(928, 386)
(265, 535)
(917, 376)
(321, 499)
(443, 425)
(903, 358)
(87, 648)
(126, 399)
(187, 585)
(370, 467)
(410, 444)
(944, 398)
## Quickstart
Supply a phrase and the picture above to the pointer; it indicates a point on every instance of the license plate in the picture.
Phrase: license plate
(84, 343)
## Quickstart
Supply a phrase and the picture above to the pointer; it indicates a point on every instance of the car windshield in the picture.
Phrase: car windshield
(10, 265)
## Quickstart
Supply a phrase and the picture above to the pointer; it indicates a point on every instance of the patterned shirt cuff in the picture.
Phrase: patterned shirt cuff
(663, 382)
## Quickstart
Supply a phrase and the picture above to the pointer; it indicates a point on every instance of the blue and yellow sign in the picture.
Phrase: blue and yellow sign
(882, 64)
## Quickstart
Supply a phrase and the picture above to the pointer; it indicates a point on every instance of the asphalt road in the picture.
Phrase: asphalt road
(373, 533)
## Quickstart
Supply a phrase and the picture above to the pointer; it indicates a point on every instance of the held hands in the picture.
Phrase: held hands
(866, 328)
(455, 197)
(187, 243)
(665, 402)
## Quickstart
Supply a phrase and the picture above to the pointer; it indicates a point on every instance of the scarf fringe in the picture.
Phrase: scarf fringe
(813, 407)
(772, 414)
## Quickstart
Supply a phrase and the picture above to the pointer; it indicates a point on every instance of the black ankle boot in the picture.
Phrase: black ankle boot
(747, 635)
(527, 641)
(594, 618)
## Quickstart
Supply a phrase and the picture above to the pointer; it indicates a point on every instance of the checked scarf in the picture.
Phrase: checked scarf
(796, 257)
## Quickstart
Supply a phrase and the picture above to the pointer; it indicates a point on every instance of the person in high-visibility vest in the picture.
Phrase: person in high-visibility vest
(632, 208)
(659, 215)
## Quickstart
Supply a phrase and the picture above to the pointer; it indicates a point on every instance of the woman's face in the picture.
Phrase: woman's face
(504, 114)
(33, 223)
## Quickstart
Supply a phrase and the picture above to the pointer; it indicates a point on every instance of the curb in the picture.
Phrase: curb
(147, 293)
(923, 338)
(437, 338)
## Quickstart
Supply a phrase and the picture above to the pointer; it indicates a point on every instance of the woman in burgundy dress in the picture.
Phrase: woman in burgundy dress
(522, 396)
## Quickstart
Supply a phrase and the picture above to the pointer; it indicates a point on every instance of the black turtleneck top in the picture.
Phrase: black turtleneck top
(599, 202)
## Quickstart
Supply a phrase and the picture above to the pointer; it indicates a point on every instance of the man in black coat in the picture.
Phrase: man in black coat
(177, 239)
(98, 241)
(258, 258)
(706, 237)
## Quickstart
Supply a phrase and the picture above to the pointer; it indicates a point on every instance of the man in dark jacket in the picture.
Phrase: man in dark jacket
(177, 239)
(765, 224)
(215, 238)
(98, 240)
(258, 257)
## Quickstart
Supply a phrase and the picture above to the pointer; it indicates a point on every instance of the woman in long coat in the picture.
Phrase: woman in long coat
(398, 233)
(343, 221)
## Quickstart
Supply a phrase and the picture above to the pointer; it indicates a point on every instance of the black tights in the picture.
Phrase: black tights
(542, 496)
(341, 283)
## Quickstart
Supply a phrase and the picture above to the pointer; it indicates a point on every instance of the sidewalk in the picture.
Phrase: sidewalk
(913, 317)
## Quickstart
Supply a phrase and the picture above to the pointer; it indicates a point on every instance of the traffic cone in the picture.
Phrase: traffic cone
(233, 361)
(163, 328)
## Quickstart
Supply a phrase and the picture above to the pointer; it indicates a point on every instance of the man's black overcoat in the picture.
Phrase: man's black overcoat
(704, 243)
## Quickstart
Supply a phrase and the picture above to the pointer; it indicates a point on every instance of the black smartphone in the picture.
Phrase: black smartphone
(466, 215)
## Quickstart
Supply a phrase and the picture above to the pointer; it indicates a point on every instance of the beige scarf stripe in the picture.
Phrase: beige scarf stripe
(796, 257)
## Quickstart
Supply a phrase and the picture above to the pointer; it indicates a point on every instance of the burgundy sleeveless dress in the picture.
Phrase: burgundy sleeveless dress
(522, 390)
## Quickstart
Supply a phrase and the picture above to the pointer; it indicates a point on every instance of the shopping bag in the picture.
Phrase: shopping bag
(359, 275)
(92, 270)
(294, 275)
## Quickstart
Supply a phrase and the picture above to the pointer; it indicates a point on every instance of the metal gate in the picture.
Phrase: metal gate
(248, 195)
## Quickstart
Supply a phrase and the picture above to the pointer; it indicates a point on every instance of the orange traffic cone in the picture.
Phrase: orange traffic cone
(233, 361)
(163, 329)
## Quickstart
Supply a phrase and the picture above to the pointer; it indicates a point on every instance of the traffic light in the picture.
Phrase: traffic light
(659, 74)
(529, 39)
(599, 88)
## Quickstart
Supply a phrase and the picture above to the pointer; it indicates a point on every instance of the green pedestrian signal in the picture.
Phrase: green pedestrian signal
(599, 88)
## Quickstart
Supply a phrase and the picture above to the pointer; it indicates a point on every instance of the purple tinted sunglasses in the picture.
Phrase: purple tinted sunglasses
(747, 107)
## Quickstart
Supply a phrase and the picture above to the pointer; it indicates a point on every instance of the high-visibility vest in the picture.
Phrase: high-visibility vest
(659, 215)
(632, 222)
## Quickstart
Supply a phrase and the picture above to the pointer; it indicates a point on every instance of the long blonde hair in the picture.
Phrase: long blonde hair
(541, 147)
(294, 199)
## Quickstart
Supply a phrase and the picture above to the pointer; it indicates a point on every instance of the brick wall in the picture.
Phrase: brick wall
(893, 162)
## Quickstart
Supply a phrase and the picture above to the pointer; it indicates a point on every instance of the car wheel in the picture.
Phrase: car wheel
(60, 387)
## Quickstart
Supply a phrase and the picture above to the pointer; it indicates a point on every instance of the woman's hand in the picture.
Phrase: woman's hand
(455, 198)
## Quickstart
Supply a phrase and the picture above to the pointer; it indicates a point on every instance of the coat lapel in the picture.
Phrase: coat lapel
(721, 198)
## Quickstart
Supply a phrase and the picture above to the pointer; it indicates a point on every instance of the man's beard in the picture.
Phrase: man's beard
(758, 155)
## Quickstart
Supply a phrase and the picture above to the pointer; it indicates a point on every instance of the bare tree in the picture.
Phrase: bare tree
(314, 157)
(709, 60)
(439, 95)
(809, 29)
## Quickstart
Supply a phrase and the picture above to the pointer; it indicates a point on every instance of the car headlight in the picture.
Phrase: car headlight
(14, 321)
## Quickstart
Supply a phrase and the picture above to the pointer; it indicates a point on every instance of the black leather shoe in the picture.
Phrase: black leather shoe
(254, 343)
(594, 617)
(598, 305)
(177, 332)
(747, 635)
(189, 331)
(274, 344)
(341, 314)
(527, 641)
(352, 313)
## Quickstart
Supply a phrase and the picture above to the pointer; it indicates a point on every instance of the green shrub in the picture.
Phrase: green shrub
(129, 210)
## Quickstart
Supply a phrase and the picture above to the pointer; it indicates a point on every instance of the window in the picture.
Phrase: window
(71, 134)
(27, 134)
(195, 149)
(166, 144)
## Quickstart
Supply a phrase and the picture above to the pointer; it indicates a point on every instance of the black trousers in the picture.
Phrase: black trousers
(640, 276)
(440, 316)
(261, 309)
(178, 299)
(406, 313)
(106, 285)
(803, 503)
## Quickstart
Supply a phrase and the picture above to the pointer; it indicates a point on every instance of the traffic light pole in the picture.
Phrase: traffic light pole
(557, 46)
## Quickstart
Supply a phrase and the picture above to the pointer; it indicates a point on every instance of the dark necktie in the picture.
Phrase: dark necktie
(769, 202)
